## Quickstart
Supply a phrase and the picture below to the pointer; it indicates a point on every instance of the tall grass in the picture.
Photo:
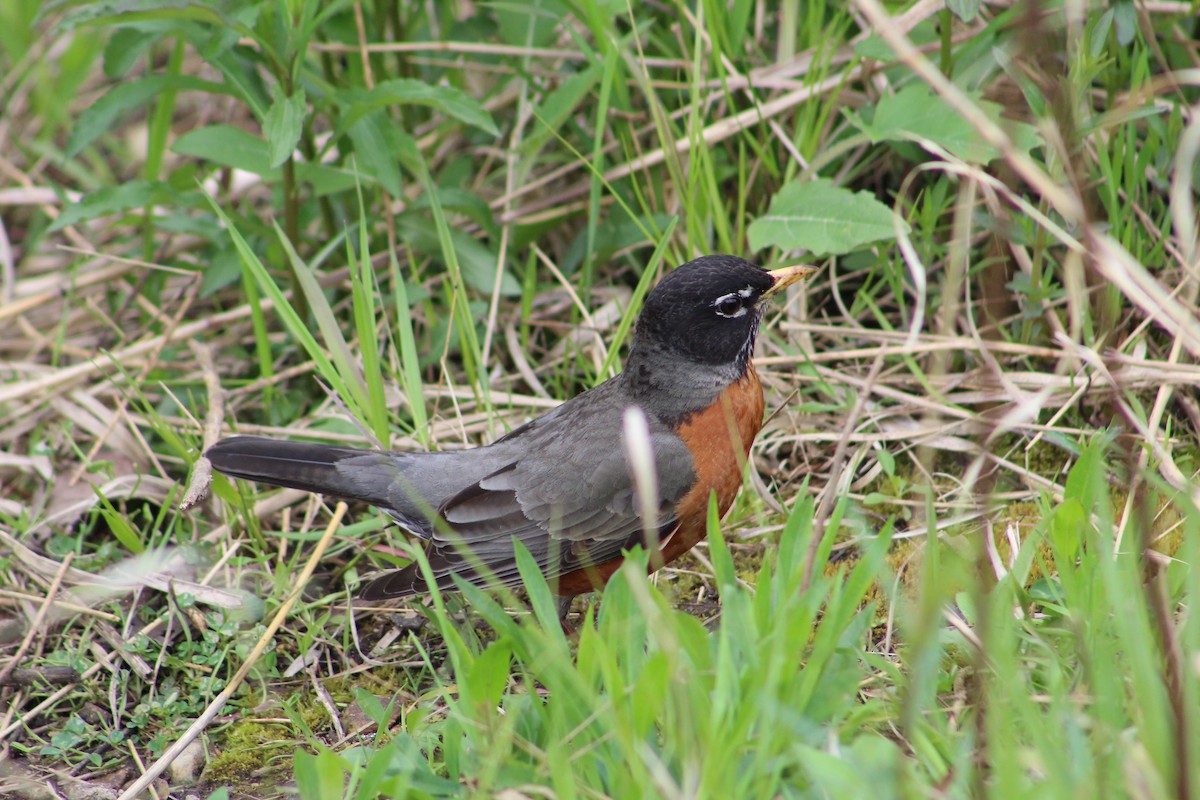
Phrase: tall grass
(963, 567)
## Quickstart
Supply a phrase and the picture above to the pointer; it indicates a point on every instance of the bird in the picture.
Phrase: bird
(564, 484)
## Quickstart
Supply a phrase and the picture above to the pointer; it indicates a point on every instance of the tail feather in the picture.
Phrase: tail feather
(408, 581)
(397, 583)
(297, 465)
(374, 477)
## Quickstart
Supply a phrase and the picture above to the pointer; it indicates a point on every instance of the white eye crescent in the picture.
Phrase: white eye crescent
(731, 305)
(735, 304)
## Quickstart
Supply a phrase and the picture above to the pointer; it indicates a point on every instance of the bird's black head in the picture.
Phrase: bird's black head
(708, 310)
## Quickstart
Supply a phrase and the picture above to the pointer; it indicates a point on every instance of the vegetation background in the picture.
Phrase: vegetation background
(964, 563)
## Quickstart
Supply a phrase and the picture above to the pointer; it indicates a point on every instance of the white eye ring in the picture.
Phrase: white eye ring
(732, 305)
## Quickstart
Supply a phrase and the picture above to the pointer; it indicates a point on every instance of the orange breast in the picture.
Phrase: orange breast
(719, 439)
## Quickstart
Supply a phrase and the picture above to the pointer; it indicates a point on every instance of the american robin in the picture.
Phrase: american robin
(563, 484)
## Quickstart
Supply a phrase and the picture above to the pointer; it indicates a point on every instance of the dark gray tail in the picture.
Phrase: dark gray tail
(445, 562)
(399, 583)
(339, 471)
(408, 581)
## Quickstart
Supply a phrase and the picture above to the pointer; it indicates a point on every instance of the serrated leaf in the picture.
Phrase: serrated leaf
(822, 218)
(405, 91)
(283, 124)
(100, 116)
(116, 200)
(227, 146)
(915, 114)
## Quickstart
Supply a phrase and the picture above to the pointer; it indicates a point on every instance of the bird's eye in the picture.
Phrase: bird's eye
(730, 305)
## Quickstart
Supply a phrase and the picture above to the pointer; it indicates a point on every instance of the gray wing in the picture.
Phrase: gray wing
(570, 505)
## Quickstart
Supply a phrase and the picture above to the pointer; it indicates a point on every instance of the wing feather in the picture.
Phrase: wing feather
(564, 491)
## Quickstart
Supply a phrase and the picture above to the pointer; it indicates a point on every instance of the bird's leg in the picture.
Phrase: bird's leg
(563, 603)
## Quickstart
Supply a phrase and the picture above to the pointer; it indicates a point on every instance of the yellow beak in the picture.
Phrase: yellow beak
(786, 276)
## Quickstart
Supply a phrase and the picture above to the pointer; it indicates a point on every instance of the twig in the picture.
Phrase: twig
(210, 713)
(35, 627)
(821, 518)
(202, 471)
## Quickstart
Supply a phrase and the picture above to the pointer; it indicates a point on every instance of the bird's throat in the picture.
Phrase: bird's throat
(673, 389)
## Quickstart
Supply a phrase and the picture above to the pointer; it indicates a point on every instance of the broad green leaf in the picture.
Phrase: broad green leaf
(1099, 34)
(560, 104)
(121, 529)
(488, 676)
(373, 153)
(614, 234)
(876, 48)
(227, 146)
(463, 202)
(1125, 17)
(100, 116)
(116, 200)
(476, 260)
(222, 269)
(915, 114)
(245, 83)
(404, 91)
(1067, 526)
(109, 12)
(319, 777)
(371, 705)
(822, 218)
(529, 23)
(125, 47)
(479, 263)
(858, 769)
(966, 10)
(325, 179)
(284, 122)
(739, 27)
